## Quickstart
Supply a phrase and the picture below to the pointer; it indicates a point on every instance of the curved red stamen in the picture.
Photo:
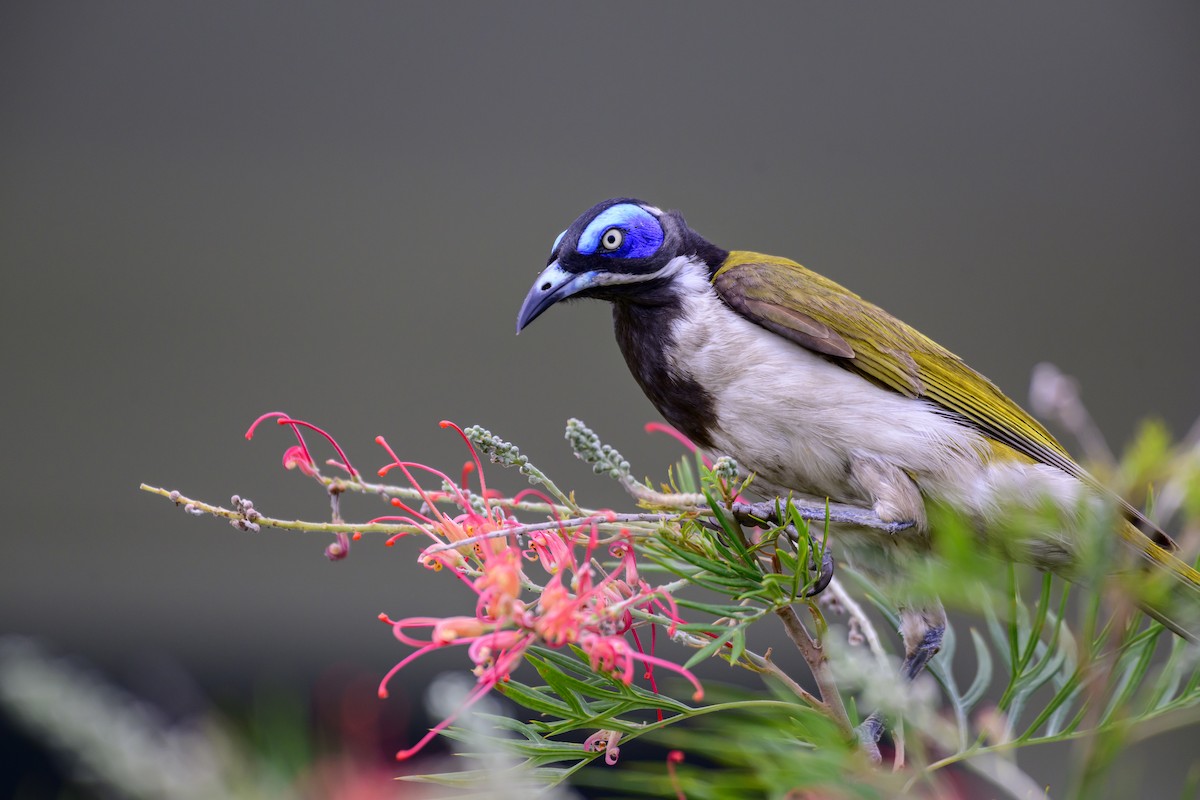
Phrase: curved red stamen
(675, 757)
(658, 427)
(593, 540)
(413, 622)
(459, 497)
(666, 604)
(540, 495)
(333, 442)
(647, 659)
(430, 498)
(400, 504)
(379, 440)
(649, 674)
(411, 657)
(475, 457)
(299, 438)
(474, 697)
(395, 518)
(255, 424)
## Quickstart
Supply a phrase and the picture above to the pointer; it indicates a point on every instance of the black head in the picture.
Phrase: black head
(618, 249)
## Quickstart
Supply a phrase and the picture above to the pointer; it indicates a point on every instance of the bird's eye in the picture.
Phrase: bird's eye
(612, 239)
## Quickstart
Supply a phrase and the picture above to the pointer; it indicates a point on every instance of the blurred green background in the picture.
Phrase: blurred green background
(211, 210)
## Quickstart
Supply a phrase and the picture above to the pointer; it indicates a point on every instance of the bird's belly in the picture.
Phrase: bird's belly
(798, 420)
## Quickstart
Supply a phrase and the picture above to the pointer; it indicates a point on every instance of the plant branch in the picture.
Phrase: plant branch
(758, 663)
(199, 507)
(860, 618)
(814, 655)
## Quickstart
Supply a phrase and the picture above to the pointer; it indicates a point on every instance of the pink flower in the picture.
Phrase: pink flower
(606, 741)
(298, 456)
(579, 603)
(304, 456)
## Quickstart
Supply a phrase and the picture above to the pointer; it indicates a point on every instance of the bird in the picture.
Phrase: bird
(819, 392)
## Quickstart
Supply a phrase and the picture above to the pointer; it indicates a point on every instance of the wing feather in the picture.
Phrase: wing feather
(816, 313)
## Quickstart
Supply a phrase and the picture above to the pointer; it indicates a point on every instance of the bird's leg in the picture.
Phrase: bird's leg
(894, 495)
(753, 515)
(922, 629)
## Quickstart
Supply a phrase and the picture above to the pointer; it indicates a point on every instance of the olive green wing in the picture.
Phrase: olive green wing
(817, 313)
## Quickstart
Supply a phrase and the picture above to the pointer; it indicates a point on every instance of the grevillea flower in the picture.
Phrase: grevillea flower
(580, 603)
(298, 456)
(303, 458)
(607, 741)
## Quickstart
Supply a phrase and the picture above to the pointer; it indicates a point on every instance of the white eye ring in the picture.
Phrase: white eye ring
(612, 239)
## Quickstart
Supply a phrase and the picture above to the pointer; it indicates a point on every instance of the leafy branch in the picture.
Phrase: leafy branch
(579, 595)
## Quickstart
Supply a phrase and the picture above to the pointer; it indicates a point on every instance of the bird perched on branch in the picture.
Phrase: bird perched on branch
(818, 391)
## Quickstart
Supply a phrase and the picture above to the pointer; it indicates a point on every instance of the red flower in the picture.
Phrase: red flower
(576, 605)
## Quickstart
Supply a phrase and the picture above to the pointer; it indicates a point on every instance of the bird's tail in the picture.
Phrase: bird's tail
(1170, 593)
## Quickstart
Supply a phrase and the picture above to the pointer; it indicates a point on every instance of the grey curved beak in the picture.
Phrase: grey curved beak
(554, 284)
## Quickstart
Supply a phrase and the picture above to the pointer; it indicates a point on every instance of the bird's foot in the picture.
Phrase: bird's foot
(868, 736)
(926, 649)
(764, 513)
(827, 566)
(918, 656)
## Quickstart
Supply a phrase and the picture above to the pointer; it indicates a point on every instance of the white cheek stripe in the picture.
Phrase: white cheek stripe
(669, 270)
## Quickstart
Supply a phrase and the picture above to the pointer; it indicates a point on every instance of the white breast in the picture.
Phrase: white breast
(798, 420)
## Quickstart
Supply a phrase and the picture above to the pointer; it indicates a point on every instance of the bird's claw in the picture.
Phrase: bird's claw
(827, 566)
(928, 647)
(747, 514)
(868, 736)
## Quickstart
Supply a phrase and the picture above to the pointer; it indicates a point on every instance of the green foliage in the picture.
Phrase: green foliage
(1044, 661)
(1029, 659)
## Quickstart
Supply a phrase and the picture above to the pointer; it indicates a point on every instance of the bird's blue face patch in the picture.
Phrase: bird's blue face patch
(557, 241)
(625, 230)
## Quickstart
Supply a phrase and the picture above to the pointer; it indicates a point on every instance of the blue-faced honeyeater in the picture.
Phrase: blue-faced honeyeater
(817, 391)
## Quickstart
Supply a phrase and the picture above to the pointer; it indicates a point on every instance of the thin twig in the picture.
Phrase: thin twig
(860, 619)
(811, 649)
(770, 667)
(600, 520)
(764, 511)
(759, 663)
(201, 507)
(865, 626)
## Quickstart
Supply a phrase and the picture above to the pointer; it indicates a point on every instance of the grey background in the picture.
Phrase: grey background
(211, 210)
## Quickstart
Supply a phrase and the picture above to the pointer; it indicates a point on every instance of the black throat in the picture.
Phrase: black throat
(644, 335)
